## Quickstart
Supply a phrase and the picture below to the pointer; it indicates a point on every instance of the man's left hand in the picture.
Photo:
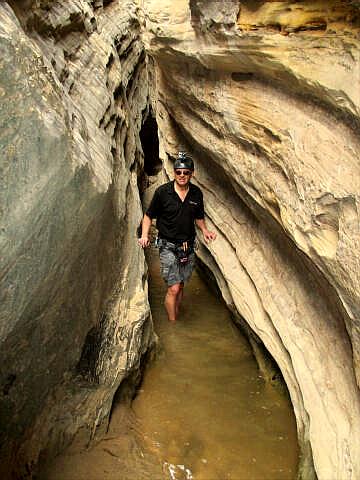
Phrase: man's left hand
(208, 236)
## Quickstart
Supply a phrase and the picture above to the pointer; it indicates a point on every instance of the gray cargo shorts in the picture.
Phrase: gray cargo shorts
(171, 269)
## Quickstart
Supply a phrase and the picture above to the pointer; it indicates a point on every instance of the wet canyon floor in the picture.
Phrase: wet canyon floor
(203, 411)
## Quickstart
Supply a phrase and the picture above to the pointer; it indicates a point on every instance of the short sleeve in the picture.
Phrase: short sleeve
(200, 214)
(154, 207)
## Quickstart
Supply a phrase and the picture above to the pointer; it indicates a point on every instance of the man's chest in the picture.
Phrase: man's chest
(173, 206)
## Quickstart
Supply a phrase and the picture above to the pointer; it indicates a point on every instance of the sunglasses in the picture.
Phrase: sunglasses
(183, 172)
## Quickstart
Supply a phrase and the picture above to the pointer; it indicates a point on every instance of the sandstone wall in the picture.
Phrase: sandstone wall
(74, 316)
(266, 97)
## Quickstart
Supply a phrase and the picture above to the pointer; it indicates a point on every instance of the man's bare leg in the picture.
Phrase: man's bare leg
(179, 298)
(171, 301)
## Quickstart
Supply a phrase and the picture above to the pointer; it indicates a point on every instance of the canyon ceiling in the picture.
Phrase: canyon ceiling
(265, 95)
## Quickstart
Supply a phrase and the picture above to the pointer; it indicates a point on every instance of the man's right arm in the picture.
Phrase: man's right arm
(144, 241)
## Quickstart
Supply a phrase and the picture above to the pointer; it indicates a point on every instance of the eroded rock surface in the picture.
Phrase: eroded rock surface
(266, 97)
(74, 315)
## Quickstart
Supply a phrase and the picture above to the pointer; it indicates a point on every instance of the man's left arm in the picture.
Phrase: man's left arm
(208, 236)
(200, 221)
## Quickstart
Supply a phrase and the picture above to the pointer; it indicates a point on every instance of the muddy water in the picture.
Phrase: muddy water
(203, 411)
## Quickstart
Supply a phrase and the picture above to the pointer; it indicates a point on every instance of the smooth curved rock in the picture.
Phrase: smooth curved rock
(74, 315)
(266, 97)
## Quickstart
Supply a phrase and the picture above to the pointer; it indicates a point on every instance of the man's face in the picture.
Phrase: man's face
(182, 176)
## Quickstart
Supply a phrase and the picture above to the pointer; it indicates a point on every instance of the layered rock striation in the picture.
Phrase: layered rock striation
(266, 96)
(74, 315)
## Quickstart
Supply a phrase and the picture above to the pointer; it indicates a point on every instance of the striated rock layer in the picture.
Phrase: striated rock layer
(74, 315)
(266, 96)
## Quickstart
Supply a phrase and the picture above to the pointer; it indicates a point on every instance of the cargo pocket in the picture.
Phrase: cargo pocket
(166, 260)
(189, 267)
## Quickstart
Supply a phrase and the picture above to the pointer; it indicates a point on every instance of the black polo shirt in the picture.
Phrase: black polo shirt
(174, 217)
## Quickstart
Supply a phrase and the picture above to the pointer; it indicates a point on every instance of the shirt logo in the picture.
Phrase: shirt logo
(192, 203)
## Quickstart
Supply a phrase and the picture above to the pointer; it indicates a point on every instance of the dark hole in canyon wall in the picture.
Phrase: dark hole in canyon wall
(150, 144)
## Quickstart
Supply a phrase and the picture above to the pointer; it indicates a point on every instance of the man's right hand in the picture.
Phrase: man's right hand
(144, 242)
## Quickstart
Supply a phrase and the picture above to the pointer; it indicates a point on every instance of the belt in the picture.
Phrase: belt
(181, 250)
(164, 242)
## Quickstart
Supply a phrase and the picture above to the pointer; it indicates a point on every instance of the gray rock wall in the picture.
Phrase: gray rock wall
(74, 316)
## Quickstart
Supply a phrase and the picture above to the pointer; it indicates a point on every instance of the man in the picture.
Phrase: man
(176, 205)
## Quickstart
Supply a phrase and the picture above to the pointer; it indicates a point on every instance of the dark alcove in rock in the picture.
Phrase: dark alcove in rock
(150, 144)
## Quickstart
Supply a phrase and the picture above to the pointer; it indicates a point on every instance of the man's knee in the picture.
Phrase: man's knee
(175, 289)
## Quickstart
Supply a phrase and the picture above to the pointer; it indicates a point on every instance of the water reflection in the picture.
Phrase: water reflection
(203, 411)
(203, 406)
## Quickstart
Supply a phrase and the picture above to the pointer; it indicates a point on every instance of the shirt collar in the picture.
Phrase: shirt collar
(172, 187)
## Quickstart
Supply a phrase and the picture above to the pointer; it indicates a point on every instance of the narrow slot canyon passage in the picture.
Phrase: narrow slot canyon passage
(202, 412)
(98, 99)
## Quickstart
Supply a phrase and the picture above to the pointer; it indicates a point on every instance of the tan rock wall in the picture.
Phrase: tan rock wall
(271, 116)
(74, 316)
(266, 97)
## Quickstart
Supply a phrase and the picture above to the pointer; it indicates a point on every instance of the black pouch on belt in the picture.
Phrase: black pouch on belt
(183, 251)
